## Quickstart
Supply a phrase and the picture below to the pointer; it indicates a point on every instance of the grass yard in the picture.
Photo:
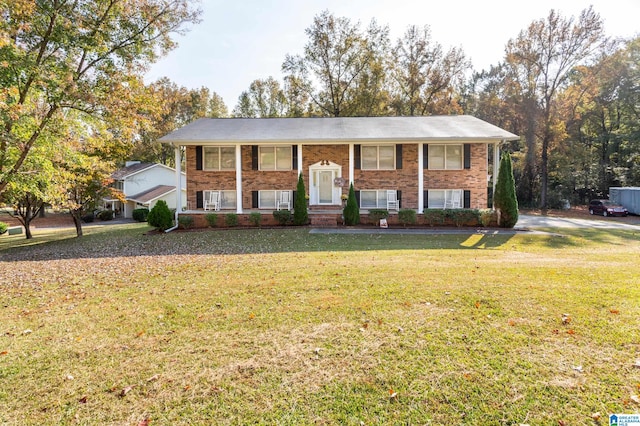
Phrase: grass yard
(286, 327)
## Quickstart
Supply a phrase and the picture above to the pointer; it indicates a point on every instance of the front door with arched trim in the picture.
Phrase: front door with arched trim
(322, 188)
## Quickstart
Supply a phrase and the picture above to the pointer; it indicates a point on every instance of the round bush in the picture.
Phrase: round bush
(3, 228)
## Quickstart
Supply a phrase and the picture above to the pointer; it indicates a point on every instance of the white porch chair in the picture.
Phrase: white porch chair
(392, 200)
(212, 202)
(284, 200)
(454, 201)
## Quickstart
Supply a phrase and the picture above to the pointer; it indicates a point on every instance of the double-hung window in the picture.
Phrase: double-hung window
(267, 199)
(445, 157)
(378, 157)
(219, 158)
(275, 157)
(373, 199)
(445, 198)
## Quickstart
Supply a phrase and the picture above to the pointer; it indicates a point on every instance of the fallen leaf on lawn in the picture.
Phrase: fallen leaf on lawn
(365, 325)
(69, 377)
(566, 318)
(153, 378)
(512, 322)
(27, 331)
(477, 305)
(577, 368)
(379, 322)
(83, 400)
(187, 387)
(637, 363)
(252, 315)
(596, 416)
(217, 389)
(466, 376)
(614, 311)
(145, 422)
(140, 333)
(635, 398)
(392, 394)
(4, 352)
(562, 423)
(126, 390)
(571, 331)
(556, 331)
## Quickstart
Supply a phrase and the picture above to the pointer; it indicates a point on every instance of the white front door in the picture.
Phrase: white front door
(325, 187)
(322, 187)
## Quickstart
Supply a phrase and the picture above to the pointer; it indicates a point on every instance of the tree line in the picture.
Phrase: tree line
(74, 105)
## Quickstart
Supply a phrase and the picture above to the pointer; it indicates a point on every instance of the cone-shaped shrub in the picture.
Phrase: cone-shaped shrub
(300, 214)
(504, 199)
(160, 216)
(351, 211)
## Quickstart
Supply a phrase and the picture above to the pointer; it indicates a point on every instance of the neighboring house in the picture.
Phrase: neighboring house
(424, 162)
(143, 184)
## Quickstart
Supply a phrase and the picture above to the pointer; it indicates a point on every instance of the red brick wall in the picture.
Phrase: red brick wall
(404, 179)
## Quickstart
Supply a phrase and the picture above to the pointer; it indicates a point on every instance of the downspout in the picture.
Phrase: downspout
(420, 178)
(176, 150)
(496, 168)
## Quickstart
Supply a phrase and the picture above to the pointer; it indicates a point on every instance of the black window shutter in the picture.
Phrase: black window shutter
(467, 156)
(356, 157)
(467, 199)
(399, 198)
(425, 156)
(398, 156)
(294, 157)
(198, 157)
(199, 200)
(357, 197)
(425, 201)
(254, 199)
(254, 157)
(293, 199)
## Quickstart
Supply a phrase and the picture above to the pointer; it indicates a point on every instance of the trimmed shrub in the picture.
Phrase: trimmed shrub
(87, 218)
(434, 216)
(486, 217)
(283, 217)
(407, 217)
(504, 198)
(105, 215)
(255, 218)
(212, 219)
(462, 216)
(231, 219)
(351, 211)
(140, 215)
(185, 222)
(160, 216)
(376, 214)
(3, 228)
(300, 214)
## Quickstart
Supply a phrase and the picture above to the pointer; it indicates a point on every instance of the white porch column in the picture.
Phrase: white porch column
(238, 179)
(300, 160)
(178, 160)
(496, 167)
(420, 178)
(351, 163)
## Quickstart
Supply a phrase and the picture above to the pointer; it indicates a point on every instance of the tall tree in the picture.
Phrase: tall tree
(426, 80)
(345, 63)
(264, 99)
(63, 54)
(543, 57)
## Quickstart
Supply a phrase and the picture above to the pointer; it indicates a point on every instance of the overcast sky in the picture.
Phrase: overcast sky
(242, 40)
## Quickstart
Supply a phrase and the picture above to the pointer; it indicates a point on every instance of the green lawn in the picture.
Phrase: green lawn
(287, 327)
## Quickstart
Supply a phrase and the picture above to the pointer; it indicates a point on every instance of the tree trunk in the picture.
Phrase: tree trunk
(77, 222)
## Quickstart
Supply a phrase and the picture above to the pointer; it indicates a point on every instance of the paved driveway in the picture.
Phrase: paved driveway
(530, 221)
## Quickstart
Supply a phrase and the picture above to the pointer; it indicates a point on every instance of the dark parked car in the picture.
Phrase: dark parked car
(606, 208)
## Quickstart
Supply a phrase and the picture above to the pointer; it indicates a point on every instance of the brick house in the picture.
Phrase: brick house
(427, 162)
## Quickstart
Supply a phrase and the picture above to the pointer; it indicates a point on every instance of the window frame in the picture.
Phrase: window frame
(381, 198)
(276, 197)
(228, 199)
(206, 151)
(445, 156)
(450, 190)
(363, 148)
(275, 158)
